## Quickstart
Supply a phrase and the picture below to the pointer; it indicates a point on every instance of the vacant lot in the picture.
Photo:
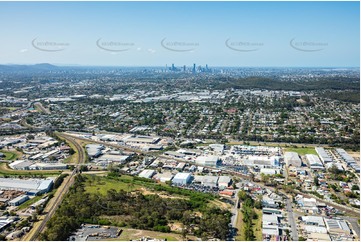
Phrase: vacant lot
(301, 151)
(97, 184)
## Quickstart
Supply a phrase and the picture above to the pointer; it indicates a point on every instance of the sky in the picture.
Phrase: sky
(249, 34)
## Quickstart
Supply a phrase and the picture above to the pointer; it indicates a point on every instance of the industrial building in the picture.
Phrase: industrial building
(147, 173)
(324, 156)
(48, 166)
(18, 200)
(4, 223)
(30, 186)
(262, 161)
(94, 150)
(348, 159)
(313, 220)
(113, 158)
(224, 182)
(27, 165)
(141, 139)
(314, 162)
(175, 154)
(211, 160)
(292, 159)
(207, 181)
(337, 226)
(182, 178)
(163, 177)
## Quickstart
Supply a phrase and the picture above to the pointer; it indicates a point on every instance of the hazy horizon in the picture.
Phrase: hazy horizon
(247, 34)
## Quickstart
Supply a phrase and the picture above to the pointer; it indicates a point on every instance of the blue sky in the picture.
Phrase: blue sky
(264, 33)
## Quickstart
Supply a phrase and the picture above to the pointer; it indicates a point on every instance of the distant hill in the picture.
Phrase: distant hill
(28, 68)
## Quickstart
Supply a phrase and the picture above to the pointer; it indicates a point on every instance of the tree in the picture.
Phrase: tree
(355, 187)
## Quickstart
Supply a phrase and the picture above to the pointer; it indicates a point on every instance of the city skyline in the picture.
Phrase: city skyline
(249, 34)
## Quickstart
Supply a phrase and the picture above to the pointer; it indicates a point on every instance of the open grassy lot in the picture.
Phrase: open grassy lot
(257, 229)
(257, 226)
(97, 184)
(302, 151)
(11, 154)
(239, 224)
(6, 170)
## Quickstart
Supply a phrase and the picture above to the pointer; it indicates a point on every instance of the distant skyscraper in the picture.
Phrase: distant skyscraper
(194, 68)
(184, 68)
(173, 68)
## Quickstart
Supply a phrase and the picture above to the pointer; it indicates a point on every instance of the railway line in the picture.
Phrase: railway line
(62, 192)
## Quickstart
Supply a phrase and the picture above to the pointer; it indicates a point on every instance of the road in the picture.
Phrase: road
(60, 195)
(354, 224)
(291, 220)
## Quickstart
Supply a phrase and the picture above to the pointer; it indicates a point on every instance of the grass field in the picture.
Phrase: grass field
(239, 223)
(257, 226)
(6, 170)
(302, 151)
(257, 229)
(10, 155)
(97, 184)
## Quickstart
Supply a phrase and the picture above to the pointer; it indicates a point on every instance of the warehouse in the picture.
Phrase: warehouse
(182, 178)
(163, 177)
(337, 226)
(269, 171)
(314, 162)
(18, 200)
(324, 156)
(147, 173)
(94, 150)
(48, 166)
(345, 156)
(331, 164)
(113, 158)
(224, 182)
(20, 165)
(292, 158)
(207, 160)
(142, 139)
(4, 223)
(181, 166)
(30, 186)
(175, 154)
(313, 220)
(207, 181)
(262, 161)
(268, 219)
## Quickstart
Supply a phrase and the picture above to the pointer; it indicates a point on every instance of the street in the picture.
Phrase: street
(291, 220)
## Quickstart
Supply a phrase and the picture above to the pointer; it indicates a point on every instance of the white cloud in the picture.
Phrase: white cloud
(23, 50)
(151, 51)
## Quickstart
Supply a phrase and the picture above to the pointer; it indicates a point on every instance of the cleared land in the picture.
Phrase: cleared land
(301, 151)
(97, 184)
